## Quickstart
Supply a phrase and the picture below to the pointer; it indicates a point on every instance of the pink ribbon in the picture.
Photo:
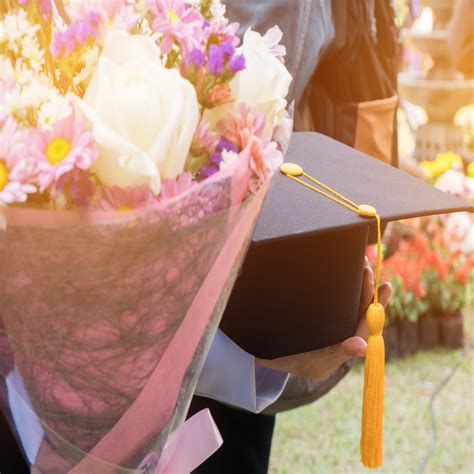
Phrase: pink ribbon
(188, 447)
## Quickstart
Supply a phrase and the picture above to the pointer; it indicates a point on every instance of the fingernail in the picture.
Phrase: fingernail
(366, 261)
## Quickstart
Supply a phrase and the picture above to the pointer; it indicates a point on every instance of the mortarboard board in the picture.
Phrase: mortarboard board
(300, 284)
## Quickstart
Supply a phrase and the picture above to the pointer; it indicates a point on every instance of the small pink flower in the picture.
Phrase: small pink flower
(69, 145)
(125, 199)
(219, 32)
(171, 188)
(204, 140)
(178, 22)
(262, 158)
(15, 171)
(272, 38)
(272, 156)
(242, 124)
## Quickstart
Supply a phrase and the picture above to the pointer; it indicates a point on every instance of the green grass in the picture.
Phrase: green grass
(323, 438)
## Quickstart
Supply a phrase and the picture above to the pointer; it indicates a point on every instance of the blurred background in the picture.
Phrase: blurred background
(429, 423)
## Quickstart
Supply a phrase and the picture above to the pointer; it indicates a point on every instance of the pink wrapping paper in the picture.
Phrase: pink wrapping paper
(108, 318)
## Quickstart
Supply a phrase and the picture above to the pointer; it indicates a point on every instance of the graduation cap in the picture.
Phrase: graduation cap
(300, 284)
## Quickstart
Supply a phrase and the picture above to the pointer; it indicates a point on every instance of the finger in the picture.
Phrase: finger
(367, 292)
(354, 347)
(385, 292)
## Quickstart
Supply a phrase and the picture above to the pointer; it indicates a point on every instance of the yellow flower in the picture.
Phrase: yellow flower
(57, 150)
(3, 174)
(470, 170)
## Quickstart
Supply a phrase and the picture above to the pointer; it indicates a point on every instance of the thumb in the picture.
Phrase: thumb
(354, 347)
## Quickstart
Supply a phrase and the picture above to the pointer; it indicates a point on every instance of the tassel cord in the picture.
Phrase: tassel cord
(373, 398)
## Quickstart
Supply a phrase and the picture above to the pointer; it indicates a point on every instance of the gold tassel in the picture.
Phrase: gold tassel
(374, 381)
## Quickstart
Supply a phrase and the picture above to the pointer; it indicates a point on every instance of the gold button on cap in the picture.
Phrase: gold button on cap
(291, 169)
(367, 211)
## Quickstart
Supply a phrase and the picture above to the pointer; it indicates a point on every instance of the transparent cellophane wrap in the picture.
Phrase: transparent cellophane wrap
(106, 319)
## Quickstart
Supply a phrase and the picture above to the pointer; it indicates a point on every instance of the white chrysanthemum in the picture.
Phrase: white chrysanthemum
(228, 159)
(27, 95)
(218, 10)
(57, 108)
(35, 93)
(15, 29)
(194, 3)
(7, 73)
(23, 72)
(31, 51)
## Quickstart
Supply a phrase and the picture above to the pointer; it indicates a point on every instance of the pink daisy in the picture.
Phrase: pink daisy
(176, 21)
(219, 32)
(68, 146)
(15, 170)
(125, 199)
(242, 124)
(171, 188)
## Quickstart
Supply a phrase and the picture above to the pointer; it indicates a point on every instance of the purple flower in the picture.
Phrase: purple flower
(226, 145)
(216, 159)
(79, 32)
(211, 167)
(94, 17)
(237, 63)
(207, 171)
(216, 59)
(227, 49)
(196, 57)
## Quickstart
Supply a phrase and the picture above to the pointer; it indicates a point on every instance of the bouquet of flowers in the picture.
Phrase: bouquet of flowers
(137, 143)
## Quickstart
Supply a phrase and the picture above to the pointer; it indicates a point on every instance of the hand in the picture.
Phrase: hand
(322, 362)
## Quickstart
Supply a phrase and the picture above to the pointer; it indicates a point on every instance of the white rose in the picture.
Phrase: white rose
(143, 115)
(264, 83)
